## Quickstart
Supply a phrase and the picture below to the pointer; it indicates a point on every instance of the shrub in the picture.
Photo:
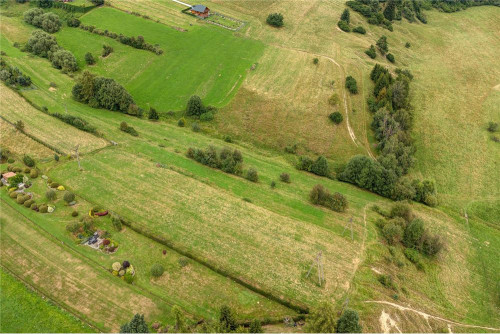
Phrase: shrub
(183, 261)
(386, 280)
(492, 127)
(157, 270)
(338, 202)
(56, 157)
(285, 177)
(74, 213)
(336, 117)
(50, 195)
(28, 203)
(351, 85)
(73, 227)
(414, 257)
(195, 127)
(73, 22)
(153, 114)
(334, 100)
(315, 61)
(129, 278)
(181, 122)
(359, 30)
(69, 197)
(13, 195)
(273, 184)
(382, 45)
(19, 126)
(227, 321)
(371, 52)
(275, 20)
(390, 57)
(106, 50)
(195, 106)
(28, 161)
(344, 26)
(33, 174)
(402, 210)
(64, 60)
(34, 207)
(392, 233)
(431, 245)
(43, 208)
(15, 180)
(27, 170)
(20, 199)
(349, 322)
(89, 58)
(11, 160)
(125, 264)
(430, 200)
(320, 166)
(413, 233)
(128, 129)
(206, 117)
(407, 45)
(252, 175)
(322, 319)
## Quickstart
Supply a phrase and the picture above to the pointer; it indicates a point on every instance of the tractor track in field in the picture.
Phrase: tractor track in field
(427, 315)
(344, 95)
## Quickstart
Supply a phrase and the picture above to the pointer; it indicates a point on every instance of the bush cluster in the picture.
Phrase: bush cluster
(45, 45)
(49, 22)
(275, 20)
(402, 226)
(371, 52)
(28, 161)
(157, 270)
(100, 92)
(252, 175)
(351, 85)
(106, 50)
(319, 195)
(76, 121)
(128, 129)
(285, 177)
(319, 166)
(135, 42)
(336, 117)
(228, 161)
(12, 76)
(359, 30)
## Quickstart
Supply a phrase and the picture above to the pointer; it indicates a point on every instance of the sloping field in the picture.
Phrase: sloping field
(37, 314)
(18, 143)
(44, 127)
(207, 61)
(65, 277)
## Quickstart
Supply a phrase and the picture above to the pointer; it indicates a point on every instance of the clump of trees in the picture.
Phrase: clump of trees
(89, 59)
(135, 42)
(49, 22)
(100, 92)
(318, 167)
(196, 108)
(382, 45)
(359, 30)
(371, 52)
(275, 20)
(392, 124)
(226, 160)
(12, 76)
(106, 50)
(344, 21)
(319, 195)
(351, 85)
(323, 320)
(45, 45)
(401, 226)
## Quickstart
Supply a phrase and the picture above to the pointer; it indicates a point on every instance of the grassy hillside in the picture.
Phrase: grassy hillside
(38, 314)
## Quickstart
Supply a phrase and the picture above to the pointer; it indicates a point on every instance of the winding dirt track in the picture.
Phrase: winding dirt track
(426, 315)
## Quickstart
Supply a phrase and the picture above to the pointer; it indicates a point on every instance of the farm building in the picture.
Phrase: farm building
(200, 10)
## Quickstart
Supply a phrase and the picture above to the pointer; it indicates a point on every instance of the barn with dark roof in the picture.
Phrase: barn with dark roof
(200, 10)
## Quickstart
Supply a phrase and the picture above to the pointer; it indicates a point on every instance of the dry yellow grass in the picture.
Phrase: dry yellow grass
(20, 144)
(49, 129)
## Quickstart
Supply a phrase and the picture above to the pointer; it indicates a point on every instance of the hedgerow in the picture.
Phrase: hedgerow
(226, 160)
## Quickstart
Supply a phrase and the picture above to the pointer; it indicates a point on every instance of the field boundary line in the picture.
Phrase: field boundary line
(427, 315)
(40, 293)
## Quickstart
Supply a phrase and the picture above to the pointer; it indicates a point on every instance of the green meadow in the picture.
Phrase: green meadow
(37, 313)
(208, 61)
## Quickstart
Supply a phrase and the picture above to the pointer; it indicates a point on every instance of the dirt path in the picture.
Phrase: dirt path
(426, 315)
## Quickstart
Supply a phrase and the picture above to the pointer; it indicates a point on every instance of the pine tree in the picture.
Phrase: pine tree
(349, 322)
(136, 325)
(346, 16)
(255, 327)
(180, 320)
(227, 323)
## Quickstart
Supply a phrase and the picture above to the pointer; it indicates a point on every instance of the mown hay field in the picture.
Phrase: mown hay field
(44, 127)
(19, 144)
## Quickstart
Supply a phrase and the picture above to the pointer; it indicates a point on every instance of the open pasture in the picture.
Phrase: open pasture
(206, 60)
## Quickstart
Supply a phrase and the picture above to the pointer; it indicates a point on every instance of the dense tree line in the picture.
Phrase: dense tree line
(49, 22)
(319, 166)
(12, 76)
(392, 124)
(135, 42)
(45, 45)
(100, 92)
(77, 122)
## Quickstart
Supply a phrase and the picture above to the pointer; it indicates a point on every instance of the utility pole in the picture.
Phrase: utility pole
(466, 219)
(350, 226)
(319, 263)
(78, 156)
